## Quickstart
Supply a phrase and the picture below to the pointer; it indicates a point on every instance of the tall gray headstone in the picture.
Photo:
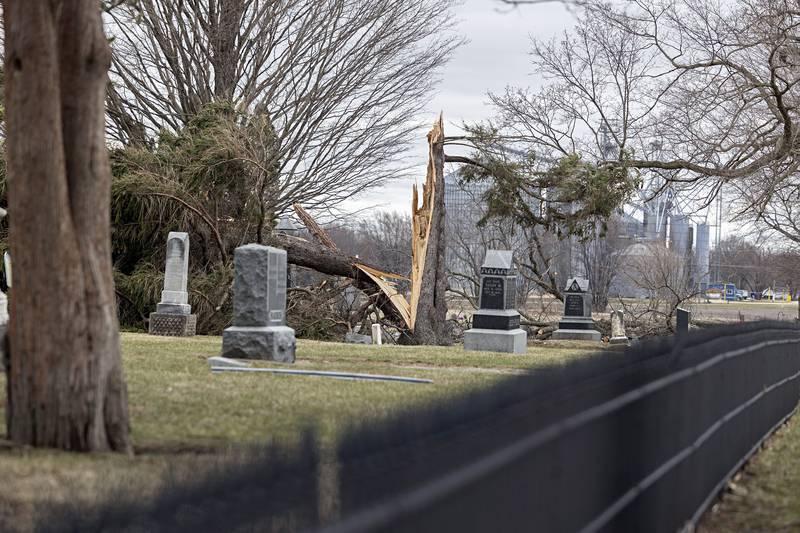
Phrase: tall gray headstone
(495, 326)
(259, 328)
(577, 324)
(173, 316)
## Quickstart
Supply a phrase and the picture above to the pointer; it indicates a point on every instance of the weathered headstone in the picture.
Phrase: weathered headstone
(682, 319)
(377, 334)
(259, 329)
(495, 326)
(173, 316)
(576, 324)
(618, 335)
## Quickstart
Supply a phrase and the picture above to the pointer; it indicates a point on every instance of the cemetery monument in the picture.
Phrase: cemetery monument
(618, 335)
(173, 316)
(682, 319)
(576, 324)
(495, 326)
(259, 328)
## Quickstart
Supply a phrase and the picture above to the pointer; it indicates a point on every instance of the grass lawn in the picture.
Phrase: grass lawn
(184, 417)
(765, 496)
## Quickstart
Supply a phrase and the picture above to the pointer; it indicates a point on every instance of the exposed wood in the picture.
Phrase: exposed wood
(316, 230)
(379, 277)
(421, 216)
(398, 300)
(428, 278)
(425, 316)
(303, 253)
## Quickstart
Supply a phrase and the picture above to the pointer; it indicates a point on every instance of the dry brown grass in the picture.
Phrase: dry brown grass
(184, 419)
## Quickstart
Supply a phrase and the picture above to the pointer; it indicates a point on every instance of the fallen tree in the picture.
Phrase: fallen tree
(423, 319)
(332, 262)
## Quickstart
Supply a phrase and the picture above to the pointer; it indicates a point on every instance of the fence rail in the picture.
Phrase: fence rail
(635, 441)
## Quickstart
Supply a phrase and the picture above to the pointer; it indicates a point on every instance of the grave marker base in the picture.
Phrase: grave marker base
(496, 340)
(273, 343)
(173, 325)
(506, 319)
(576, 335)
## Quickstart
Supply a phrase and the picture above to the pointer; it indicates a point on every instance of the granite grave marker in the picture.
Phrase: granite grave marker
(495, 326)
(576, 324)
(682, 319)
(259, 328)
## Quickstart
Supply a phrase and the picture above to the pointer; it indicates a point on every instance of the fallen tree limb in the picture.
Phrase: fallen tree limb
(306, 254)
(379, 277)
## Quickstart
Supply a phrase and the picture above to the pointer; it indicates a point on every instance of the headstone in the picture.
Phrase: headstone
(351, 337)
(495, 325)
(259, 329)
(618, 335)
(682, 319)
(173, 316)
(576, 324)
(377, 334)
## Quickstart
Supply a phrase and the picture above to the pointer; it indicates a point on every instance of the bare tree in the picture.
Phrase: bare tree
(664, 276)
(727, 88)
(338, 81)
(756, 266)
(382, 239)
(466, 249)
(704, 91)
(601, 256)
(743, 263)
(596, 100)
(65, 382)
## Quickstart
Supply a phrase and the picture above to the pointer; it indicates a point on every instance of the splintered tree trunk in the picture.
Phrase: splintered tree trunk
(65, 383)
(429, 281)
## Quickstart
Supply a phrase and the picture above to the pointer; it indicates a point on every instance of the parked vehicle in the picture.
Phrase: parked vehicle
(726, 291)
(777, 295)
(742, 294)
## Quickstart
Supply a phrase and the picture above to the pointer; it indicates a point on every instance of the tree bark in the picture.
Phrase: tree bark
(430, 325)
(65, 381)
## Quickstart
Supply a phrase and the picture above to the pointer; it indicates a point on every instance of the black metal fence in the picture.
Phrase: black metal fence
(635, 441)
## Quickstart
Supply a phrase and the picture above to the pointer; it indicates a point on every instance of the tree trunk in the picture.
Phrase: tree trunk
(227, 20)
(430, 324)
(65, 382)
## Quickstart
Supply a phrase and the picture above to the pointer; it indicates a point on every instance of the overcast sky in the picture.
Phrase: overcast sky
(497, 55)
